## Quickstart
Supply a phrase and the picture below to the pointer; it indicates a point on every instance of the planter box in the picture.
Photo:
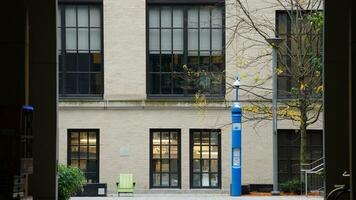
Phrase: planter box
(94, 190)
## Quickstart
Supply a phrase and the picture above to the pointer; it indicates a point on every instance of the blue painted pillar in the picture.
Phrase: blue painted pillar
(236, 149)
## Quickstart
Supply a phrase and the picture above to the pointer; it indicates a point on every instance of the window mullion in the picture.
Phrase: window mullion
(87, 152)
(89, 51)
(169, 158)
(78, 152)
(172, 50)
(201, 159)
(64, 54)
(77, 52)
(209, 171)
(185, 45)
(160, 158)
(160, 52)
(198, 67)
(211, 42)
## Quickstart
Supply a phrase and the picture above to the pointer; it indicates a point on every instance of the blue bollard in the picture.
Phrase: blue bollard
(236, 150)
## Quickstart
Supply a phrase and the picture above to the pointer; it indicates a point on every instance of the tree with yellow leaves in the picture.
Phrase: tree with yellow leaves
(299, 66)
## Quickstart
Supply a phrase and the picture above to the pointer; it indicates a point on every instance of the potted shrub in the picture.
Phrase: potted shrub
(70, 181)
(292, 186)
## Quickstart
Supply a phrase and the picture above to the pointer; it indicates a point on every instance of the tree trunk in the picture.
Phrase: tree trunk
(303, 135)
(303, 144)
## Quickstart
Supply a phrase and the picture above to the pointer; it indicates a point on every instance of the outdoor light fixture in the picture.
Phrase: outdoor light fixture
(236, 114)
(237, 82)
(274, 42)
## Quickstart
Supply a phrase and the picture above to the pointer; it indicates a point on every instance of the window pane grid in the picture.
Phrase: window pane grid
(165, 169)
(81, 42)
(205, 168)
(183, 86)
(289, 148)
(285, 30)
(83, 153)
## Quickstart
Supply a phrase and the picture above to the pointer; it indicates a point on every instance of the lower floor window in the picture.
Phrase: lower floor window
(165, 158)
(289, 155)
(205, 165)
(83, 151)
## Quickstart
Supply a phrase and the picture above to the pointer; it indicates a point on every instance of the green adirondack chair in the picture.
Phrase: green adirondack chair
(125, 184)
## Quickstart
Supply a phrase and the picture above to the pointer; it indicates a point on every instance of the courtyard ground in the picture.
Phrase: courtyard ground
(196, 197)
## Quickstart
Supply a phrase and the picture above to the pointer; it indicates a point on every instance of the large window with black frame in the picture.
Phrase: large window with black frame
(289, 156)
(185, 50)
(79, 41)
(299, 53)
(165, 158)
(83, 152)
(205, 158)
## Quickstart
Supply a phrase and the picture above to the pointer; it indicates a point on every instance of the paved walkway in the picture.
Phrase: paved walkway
(196, 197)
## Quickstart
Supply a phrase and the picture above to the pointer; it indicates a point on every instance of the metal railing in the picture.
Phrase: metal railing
(313, 170)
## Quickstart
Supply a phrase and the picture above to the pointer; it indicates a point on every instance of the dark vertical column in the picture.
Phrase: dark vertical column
(12, 43)
(43, 96)
(336, 82)
(352, 91)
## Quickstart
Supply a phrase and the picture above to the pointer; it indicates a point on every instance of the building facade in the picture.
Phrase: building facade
(127, 104)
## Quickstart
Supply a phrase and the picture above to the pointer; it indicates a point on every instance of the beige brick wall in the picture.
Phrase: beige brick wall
(130, 128)
(124, 49)
(124, 116)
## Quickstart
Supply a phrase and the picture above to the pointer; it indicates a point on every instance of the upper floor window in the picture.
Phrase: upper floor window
(80, 50)
(300, 54)
(185, 50)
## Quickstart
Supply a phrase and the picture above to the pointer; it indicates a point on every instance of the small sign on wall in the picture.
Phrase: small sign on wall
(124, 151)
(236, 158)
(101, 191)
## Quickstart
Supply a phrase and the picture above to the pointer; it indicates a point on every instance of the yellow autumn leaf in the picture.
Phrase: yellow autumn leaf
(319, 89)
(317, 73)
(303, 86)
(279, 71)
(256, 78)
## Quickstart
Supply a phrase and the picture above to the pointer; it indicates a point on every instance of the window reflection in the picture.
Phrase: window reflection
(174, 138)
(81, 51)
(165, 158)
(168, 51)
(156, 179)
(165, 151)
(165, 165)
(83, 152)
(174, 152)
(156, 152)
(196, 166)
(205, 158)
(156, 165)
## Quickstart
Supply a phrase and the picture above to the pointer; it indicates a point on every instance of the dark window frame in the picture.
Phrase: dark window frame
(63, 95)
(79, 1)
(191, 158)
(97, 145)
(185, 5)
(288, 41)
(151, 172)
(288, 143)
(204, 2)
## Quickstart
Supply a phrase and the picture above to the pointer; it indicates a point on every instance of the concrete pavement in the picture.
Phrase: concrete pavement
(196, 197)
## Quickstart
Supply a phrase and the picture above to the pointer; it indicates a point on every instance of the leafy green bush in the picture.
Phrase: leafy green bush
(70, 181)
(293, 185)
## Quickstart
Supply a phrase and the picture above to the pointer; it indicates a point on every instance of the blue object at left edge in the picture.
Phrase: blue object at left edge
(27, 107)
